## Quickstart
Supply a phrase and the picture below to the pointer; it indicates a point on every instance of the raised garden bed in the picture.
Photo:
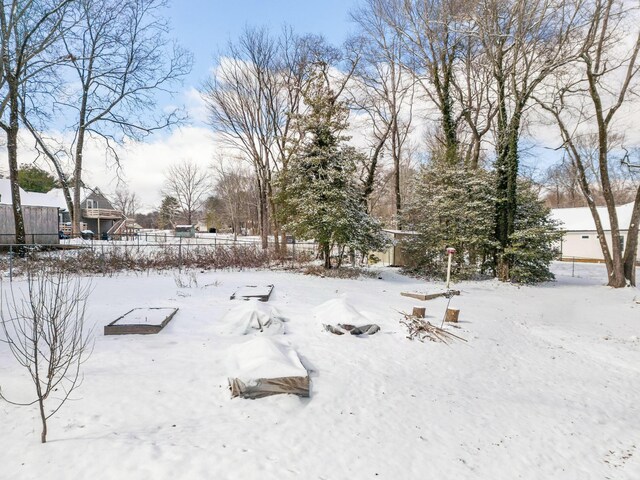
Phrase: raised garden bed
(260, 292)
(141, 321)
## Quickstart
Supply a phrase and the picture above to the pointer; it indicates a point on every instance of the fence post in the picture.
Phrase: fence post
(10, 263)
(180, 255)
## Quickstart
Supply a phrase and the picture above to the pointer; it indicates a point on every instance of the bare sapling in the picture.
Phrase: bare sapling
(43, 324)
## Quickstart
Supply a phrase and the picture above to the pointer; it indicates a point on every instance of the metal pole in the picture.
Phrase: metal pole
(10, 263)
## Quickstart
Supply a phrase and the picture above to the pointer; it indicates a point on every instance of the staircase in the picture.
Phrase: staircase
(122, 227)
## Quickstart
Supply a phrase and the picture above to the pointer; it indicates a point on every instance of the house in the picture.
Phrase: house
(580, 240)
(40, 214)
(97, 214)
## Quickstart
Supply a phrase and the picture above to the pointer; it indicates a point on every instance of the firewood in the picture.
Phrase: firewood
(451, 315)
(421, 329)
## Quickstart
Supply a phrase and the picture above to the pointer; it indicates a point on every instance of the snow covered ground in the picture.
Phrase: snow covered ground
(547, 387)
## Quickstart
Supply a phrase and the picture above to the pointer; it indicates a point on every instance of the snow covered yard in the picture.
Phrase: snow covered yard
(547, 387)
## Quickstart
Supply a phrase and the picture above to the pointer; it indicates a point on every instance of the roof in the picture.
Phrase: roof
(53, 198)
(580, 219)
(33, 199)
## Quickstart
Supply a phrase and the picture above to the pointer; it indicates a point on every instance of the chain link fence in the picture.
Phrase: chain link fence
(149, 252)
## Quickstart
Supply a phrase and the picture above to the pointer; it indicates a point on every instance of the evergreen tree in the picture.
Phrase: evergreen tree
(34, 179)
(532, 246)
(169, 210)
(454, 207)
(322, 201)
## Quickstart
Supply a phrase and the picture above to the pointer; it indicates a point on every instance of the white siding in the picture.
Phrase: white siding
(574, 244)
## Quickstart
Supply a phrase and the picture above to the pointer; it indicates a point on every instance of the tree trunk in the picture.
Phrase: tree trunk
(263, 213)
(631, 249)
(43, 418)
(326, 250)
(12, 154)
(507, 165)
(77, 181)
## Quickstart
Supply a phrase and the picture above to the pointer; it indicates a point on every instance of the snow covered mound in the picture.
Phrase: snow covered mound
(263, 358)
(250, 317)
(337, 311)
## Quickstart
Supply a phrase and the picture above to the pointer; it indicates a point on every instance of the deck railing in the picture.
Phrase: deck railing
(102, 213)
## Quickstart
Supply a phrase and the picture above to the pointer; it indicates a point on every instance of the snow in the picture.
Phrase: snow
(579, 219)
(339, 310)
(249, 291)
(263, 358)
(145, 316)
(53, 198)
(252, 316)
(547, 386)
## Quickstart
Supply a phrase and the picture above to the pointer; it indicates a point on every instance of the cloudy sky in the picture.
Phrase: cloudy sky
(204, 27)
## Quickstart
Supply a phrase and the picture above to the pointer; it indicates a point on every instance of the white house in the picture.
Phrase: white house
(580, 239)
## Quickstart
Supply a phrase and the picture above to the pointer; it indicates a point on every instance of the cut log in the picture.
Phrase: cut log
(419, 312)
(451, 315)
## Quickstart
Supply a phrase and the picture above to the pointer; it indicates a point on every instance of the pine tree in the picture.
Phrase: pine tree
(169, 210)
(34, 179)
(322, 201)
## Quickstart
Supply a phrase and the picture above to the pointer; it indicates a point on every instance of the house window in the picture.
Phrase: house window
(90, 203)
(585, 236)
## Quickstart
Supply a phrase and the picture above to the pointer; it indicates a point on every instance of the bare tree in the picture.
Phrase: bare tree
(594, 91)
(189, 185)
(384, 90)
(233, 186)
(29, 30)
(44, 327)
(126, 201)
(120, 58)
(238, 99)
(254, 97)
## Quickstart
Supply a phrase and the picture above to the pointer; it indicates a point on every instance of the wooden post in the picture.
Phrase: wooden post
(451, 315)
(450, 252)
(419, 312)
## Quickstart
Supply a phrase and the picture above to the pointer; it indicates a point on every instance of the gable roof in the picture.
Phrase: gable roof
(53, 198)
(580, 219)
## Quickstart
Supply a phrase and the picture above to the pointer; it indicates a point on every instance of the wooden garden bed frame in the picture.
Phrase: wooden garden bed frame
(243, 293)
(120, 328)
